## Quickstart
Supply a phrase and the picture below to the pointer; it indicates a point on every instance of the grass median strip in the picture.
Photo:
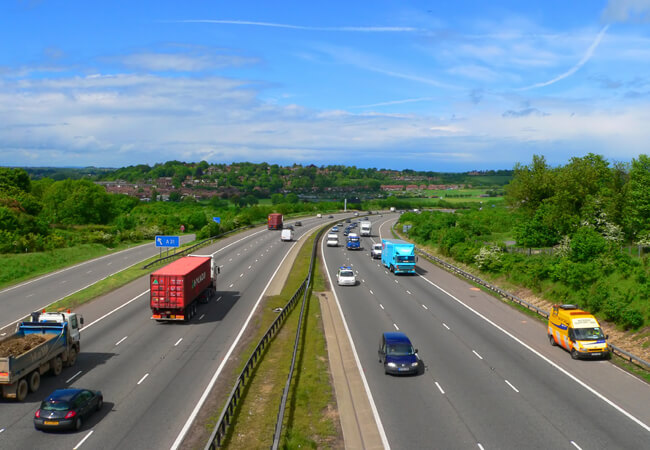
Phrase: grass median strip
(311, 417)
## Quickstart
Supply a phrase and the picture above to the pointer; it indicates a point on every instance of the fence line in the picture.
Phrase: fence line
(221, 428)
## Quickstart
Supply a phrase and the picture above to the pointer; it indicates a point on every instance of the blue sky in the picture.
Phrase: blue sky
(443, 86)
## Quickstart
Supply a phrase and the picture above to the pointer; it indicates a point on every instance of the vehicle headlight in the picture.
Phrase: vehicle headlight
(391, 364)
(414, 364)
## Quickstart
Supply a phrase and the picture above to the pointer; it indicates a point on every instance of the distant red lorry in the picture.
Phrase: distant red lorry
(177, 288)
(275, 221)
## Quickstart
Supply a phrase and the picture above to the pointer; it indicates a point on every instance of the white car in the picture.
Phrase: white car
(375, 253)
(345, 276)
(332, 240)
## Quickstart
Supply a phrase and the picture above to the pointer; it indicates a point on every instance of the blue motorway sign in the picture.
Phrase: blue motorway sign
(217, 219)
(167, 241)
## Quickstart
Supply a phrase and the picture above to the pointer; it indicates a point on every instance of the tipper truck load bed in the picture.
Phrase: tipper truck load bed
(47, 343)
(177, 287)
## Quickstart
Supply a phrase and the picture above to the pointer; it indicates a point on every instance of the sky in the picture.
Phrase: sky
(441, 86)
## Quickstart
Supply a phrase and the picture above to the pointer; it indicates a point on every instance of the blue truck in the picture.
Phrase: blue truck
(46, 344)
(354, 242)
(398, 255)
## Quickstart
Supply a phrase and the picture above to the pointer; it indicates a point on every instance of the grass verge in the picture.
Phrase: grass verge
(108, 284)
(19, 267)
(309, 418)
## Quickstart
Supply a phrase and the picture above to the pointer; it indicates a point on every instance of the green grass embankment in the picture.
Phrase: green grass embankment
(18, 267)
(309, 422)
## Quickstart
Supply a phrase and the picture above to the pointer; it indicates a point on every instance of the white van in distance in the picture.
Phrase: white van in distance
(287, 235)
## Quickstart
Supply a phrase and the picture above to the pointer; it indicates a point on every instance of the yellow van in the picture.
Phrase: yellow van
(577, 331)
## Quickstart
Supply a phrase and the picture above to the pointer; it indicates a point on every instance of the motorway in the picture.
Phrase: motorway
(492, 379)
(153, 374)
(18, 301)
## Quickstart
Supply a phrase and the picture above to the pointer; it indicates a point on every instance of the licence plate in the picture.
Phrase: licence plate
(596, 354)
(50, 422)
(403, 369)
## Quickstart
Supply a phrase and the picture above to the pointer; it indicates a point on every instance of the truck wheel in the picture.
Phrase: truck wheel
(21, 390)
(551, 339)
(574, 353)
(34, 381)
(57, 366)
(72, 357)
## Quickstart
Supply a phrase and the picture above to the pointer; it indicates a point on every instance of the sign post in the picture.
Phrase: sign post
(167, 241)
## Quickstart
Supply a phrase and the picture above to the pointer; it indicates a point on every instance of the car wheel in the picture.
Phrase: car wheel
(72, 357)
(78, 423)
(21, 390)
(100, 403)
(34, 381)
(551, 339)
(574, 353)
(57, 366)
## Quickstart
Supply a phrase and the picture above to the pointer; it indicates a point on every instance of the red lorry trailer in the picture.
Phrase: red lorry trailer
(275, 221)
(178, 287)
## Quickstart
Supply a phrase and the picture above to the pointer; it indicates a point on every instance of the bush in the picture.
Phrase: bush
(489, 258)
(587, 244)
(451, 237)
(631, 318)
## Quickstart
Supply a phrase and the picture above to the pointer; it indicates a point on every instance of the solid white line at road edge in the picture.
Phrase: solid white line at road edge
(83, 440)
(375, 413)
(544, 358)
(204, 396)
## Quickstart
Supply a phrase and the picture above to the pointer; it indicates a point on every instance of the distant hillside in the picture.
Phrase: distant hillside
(263, 180)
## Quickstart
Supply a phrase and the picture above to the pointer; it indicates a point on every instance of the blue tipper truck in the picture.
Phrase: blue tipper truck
(398, 255)
(46, 344)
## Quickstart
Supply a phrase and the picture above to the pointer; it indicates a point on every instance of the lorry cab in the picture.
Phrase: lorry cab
(354, 243)
(577, 331)
(74, 321)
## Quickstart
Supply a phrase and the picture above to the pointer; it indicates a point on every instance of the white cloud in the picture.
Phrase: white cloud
(627, 11)
(363, 29)
(159, 62)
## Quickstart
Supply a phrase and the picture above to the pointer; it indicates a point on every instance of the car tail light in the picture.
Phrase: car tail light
(70, 414)
(38, 413)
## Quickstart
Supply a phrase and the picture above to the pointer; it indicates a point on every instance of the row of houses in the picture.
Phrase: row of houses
(421, 187)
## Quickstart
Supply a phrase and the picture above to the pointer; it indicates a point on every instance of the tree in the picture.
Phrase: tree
(78, 202)
(277, 198)
(14, 178)
(175, 196)
(636, 209)
(531, 185)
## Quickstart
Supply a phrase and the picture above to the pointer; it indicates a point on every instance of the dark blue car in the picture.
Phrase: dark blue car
(67, 409)
(398, 355)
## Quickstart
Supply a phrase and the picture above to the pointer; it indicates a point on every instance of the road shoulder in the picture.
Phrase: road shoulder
(357, 420)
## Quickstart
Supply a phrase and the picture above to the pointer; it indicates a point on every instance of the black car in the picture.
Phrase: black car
(347, 220)
(67, 409)
(398, 355)
(298, 223)
(330, 217)
(288, 227)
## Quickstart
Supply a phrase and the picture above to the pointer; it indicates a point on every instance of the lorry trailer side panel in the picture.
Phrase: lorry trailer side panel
(178, 284)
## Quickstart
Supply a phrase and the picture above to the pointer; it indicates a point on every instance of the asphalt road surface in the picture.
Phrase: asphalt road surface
(153, 374)
(492, 379)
